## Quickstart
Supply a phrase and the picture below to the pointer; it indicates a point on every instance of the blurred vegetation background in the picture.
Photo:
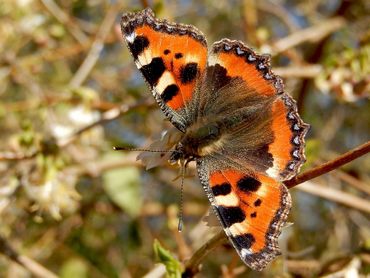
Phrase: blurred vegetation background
(69, 92)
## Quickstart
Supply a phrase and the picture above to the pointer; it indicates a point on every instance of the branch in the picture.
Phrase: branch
(32, 266)
(192, 266)
(329, 166)
(335, 195)
(310, 34)
(66, 20)
(16, 156)
(301, 71)
(280, 12)
(96, 48)
(107, 116)
(354, 182)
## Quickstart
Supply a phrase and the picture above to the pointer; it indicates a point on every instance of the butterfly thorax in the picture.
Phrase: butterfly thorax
(199, 140)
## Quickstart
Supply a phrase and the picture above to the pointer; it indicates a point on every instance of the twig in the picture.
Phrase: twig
(144, 3)
(336, 196)
(192, 266)
(109, 115)
(279, 11)
(306, 71)
(356, 183)
(97, 46)
(317, 53)
(306, 268)
(310, 34)
(314, 58)
(250, 20)
(32, 266)
(16, 156)
(65, 19)
(329, 166)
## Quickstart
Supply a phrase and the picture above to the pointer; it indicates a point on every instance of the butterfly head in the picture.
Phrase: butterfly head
(178, 154)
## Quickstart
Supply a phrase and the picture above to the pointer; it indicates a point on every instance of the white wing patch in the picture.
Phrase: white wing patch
(131, 37)
(165, 80)
(145, 58)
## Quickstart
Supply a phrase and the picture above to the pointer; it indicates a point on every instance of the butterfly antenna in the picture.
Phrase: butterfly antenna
(141, 150)
(180, 225)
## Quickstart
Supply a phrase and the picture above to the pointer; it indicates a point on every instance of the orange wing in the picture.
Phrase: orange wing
(171, 57)
(252, 209)
(240, 61)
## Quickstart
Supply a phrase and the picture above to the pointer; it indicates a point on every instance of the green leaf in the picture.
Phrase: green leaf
(173, 266)
(74, 267)
(123, 186)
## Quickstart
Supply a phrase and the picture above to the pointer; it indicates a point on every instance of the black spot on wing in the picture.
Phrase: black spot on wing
(244, 241)
(248, 184)
(166, 51)
(254, 214)
(188, 73)
(170, 91)
(153, 71)
(138, 46)
(178, 55)
(257, 203)
(221, 189)
(231, 215)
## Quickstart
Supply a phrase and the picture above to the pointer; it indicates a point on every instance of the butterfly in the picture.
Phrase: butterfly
(237, 123)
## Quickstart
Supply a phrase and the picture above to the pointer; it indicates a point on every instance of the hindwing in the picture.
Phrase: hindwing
(251, 207)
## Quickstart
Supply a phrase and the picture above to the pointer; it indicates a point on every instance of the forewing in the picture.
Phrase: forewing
(252, 209)
(262, 129)
(171, 57)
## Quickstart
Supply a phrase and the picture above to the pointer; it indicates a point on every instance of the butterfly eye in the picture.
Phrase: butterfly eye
(213, 131)
(175, 156)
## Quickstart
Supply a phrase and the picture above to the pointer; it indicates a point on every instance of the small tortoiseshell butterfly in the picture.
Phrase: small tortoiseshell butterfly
(238, 124)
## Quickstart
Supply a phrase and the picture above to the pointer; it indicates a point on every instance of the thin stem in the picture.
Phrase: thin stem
(96, 47)
(338, 196)
(329, 166)
(32, 266)
(66, 20)
(192, 266)
(310, 34)
(16, 156)
(107, 116)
